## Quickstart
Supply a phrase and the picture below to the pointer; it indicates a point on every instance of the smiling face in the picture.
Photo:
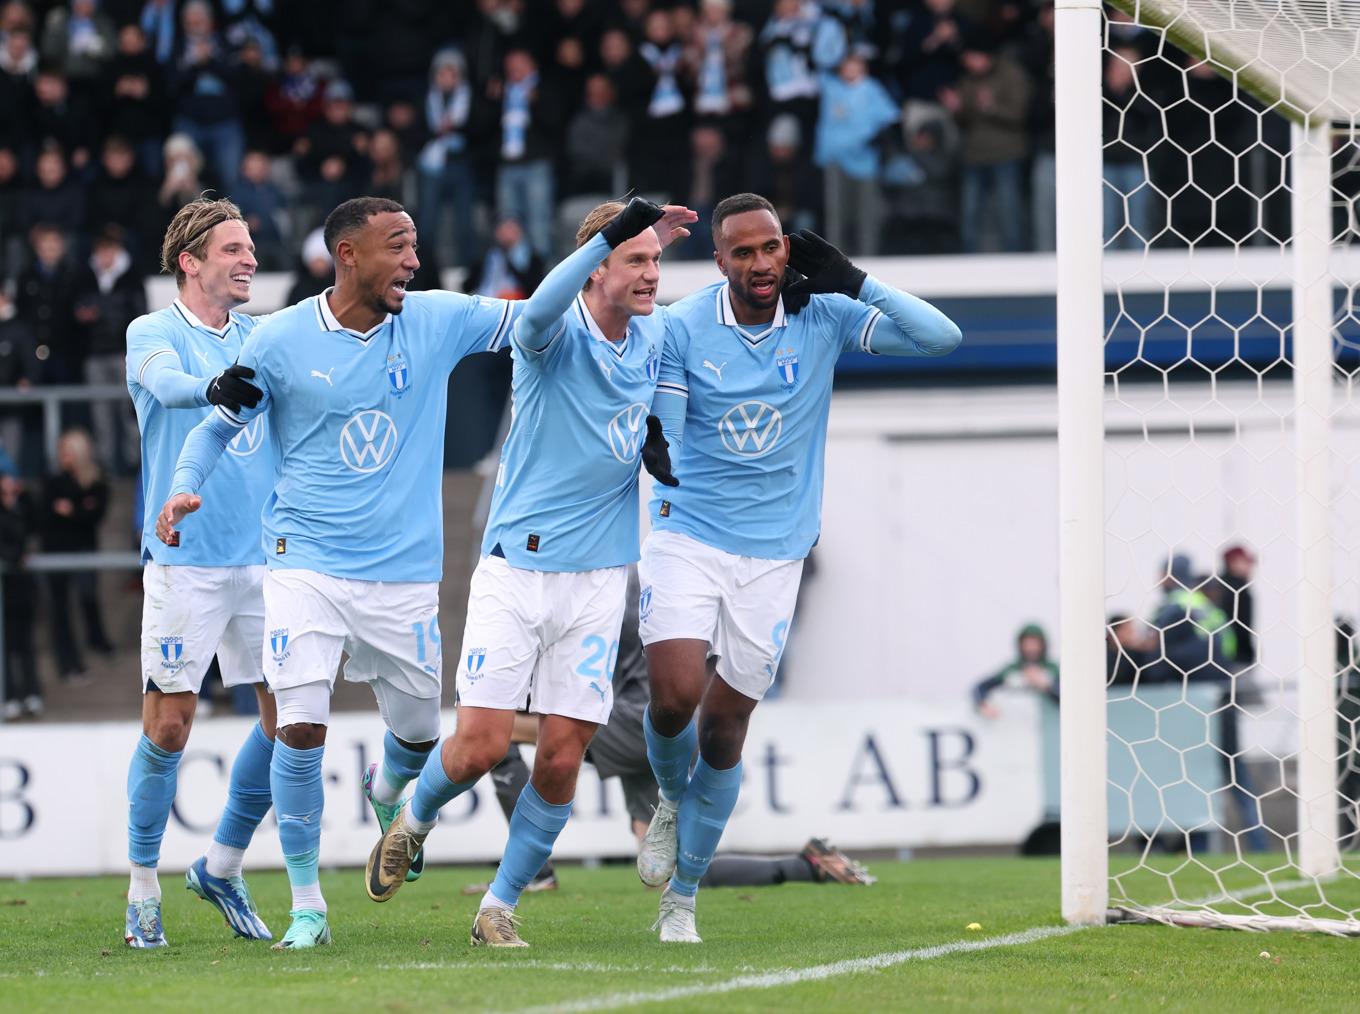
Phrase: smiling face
(628, 278)
(227, 269)
(383, 256)
(751, 253)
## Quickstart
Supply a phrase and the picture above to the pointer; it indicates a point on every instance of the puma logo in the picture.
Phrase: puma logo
(606, 369)
(206, 361)
(716, 369)
(325, 376)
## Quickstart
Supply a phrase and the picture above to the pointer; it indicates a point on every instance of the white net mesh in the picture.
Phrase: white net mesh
(1203, 470)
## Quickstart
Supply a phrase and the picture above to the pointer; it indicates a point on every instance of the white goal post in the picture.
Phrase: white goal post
(1294, 61)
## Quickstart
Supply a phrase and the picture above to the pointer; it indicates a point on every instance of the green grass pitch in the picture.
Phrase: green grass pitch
(62, 950)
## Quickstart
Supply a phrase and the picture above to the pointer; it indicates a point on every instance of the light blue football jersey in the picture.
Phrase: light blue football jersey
(566, 491)
(357, 423)
(754, 432)
(226, 531)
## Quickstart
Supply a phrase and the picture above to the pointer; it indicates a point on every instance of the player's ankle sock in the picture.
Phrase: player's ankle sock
(144, 883)
(670, 756)
(248, 800)
(534, 828)
(400, 766)
(708, 802)
(152, 777)
(304, 877)
(489, 900)
(299, 797)
(433, 790)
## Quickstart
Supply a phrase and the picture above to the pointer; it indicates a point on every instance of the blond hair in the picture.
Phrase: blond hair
(600, 216)
(190, 229)
(84, 467)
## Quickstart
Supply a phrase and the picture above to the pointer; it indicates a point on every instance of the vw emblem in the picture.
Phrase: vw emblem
(368, 441)
(751, 428)
(248, 441)
(626, 431)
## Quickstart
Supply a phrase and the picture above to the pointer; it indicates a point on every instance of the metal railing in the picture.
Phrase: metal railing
(50, 399)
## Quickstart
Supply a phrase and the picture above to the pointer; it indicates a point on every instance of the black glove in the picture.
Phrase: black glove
(656, 456)
(231, 390)
(794, 300)
(826, 268)
(636, 216)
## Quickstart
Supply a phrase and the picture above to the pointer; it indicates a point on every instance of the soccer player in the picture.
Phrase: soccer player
(203, 595)
(743, 398)
(354, 386)
(546, 600)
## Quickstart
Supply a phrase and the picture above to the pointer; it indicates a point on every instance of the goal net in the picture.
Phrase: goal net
(1210, 449)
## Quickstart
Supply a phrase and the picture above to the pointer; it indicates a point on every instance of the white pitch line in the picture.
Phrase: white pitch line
(789, 977)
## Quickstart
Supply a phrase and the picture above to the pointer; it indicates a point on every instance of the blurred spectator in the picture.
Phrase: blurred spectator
(565, 38)
(48, 292)
(1239, 567)
(11, 213)
(1031, 670)
(660, 158)
(403, 119)
(992, 107)
(712, 177)
(333, 152)
(118, 300)
(785, 48)
(265, 209)
(246, 25)
(18, 64)
(630, 75)
(253, 81)
(18, 56)
(56, 198)
(510, 269)
(18, 366)
(855, 113)
(122, 196)
(183, 180)
(1037, 54)
(64, 118)
(1132, 127)
(387, 171)
(74, 502)
(79, 39)
(448, 176)
(920, 181)
(318, 269)
(793, 184)
(1348, 732)
(23, 692)
(716, 58)
(1129, 650)
(293, 101)
(486, 40)
(206, 106)
(1196, 639)
(161, 31)
(529, 119)
(845, 27)
(140, 109)
(597, 141)
(928, 49)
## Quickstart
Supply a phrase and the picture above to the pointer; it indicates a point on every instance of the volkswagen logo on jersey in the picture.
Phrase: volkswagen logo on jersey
(653, 364)
(248, 441)
(278, 645)
(476, 658)
(398, 373)
(172, 651)
(751, 428)
(786, 363)
(368, 441)
(626, 431)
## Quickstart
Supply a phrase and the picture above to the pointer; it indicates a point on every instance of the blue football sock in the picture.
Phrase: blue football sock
(152, 777)
(534, 827)
(299, 798)
(708, 802)
(433, 789)
(401, 765)
(670, 756)
(248, 795)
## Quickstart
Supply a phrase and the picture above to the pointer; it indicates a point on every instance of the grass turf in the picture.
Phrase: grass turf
(62, 948)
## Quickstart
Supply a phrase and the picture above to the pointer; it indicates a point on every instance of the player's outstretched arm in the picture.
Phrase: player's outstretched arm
(540, 322)
(158, 372)
(904, 326)
(203, 447)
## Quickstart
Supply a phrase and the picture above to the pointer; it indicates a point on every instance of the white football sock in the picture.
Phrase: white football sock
(489, 900)
(144, 883)
(308, 897)
(224, 860)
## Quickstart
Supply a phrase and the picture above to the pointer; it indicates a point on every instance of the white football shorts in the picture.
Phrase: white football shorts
(190, 614)
(389, 630)
(545, 641)
(741, 605)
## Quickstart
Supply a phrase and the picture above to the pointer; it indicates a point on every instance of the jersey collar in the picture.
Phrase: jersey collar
(728, 316)
(194, 322)
(330, 323)
(583, 313)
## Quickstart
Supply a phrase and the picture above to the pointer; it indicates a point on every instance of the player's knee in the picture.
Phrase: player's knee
(558, 767)
(468, 761)
(169, 732)
(302, 735)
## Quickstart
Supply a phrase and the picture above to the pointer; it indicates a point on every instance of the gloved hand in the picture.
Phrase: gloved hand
(231, 390)
(636, 216)
(794, 300)
(656, 455)
(826, 268)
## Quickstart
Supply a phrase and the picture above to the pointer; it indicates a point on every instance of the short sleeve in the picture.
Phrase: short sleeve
(464, 325)
(850, 322)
